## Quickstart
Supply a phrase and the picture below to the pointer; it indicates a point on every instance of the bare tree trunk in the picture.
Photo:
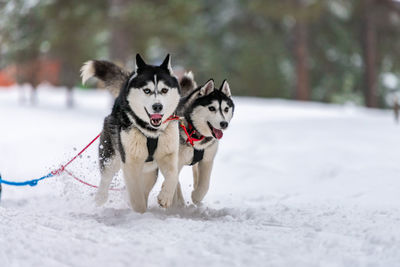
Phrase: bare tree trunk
(70, 97)
(33, 98)
(120, 34)
(28, 72)
(369, 54)
(301, 58)
(396, 109)
(68, 79)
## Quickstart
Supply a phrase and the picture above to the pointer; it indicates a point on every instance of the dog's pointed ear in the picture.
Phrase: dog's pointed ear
(139, 63)
(225, 88)
(167, 64)
(207, 88)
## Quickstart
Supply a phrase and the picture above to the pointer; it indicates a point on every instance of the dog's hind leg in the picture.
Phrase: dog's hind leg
(195, 171)
(202, 182)
(150, 178)
(178, 200)
(107, 170)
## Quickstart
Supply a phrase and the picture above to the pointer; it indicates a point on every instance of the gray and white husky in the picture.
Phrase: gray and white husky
(207, 112)
(137, 136)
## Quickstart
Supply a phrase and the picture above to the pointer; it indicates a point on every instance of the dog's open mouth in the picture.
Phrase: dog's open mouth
(155, 119)
(217, 133)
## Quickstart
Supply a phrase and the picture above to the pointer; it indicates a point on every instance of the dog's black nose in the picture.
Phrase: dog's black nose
(223, 124)
(157, 107)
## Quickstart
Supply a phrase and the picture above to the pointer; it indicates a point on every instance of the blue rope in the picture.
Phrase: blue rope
(29, 182)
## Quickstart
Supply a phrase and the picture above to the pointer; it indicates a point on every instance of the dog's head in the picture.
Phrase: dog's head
(211, 109)
(152, 92)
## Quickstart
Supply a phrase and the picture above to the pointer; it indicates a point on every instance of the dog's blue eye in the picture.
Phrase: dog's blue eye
(146, 91)
(164, 90)
(211, 108)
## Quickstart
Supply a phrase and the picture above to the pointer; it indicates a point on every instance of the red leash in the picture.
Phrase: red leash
(88, 184)
(172, 118)
(189, 139)
(62, 169)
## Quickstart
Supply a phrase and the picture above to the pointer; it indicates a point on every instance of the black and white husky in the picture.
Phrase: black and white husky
(137, 136)
(206, 113)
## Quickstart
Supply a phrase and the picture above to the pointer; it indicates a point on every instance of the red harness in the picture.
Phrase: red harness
(190, 139)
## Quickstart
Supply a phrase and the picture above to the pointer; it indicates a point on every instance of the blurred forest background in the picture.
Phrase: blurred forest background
(321, 50)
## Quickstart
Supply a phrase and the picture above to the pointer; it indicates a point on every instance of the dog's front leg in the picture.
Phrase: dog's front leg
(178, 200)
(107, 171)
(169, 169)
(202, 181)
(134, 183)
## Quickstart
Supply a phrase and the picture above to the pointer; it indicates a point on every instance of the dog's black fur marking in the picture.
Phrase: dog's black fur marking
(144, 74)
(121, 147)
(206, 140)
(151, 148)
(215, 95)
(186, 98)
(119, 120)
(147, 74)
(186, 112)
(186, 85)
(106, 71)
(197, 156)
(204, 101)
(109, 73)
(106, 149)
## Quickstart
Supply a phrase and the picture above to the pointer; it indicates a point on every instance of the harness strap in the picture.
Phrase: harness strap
(190, 139)
(172, 118)
(197, 156)
(151, 148)
(152, 143)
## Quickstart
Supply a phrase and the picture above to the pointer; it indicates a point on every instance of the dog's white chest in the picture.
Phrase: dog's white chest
(134, 144)
(186, 153)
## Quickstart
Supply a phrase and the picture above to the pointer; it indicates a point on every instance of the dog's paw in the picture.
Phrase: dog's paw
(101, 198)
(178, 203)
(165, 199)
(196, 197)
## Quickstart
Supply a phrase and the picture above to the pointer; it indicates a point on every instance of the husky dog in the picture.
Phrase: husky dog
(137, 136)
(206, 113)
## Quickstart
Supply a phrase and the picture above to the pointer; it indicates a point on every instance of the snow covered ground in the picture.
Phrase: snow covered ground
(294, 184)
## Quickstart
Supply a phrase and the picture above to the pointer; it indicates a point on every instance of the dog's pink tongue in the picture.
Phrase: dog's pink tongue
(218, 133)
(155, 116)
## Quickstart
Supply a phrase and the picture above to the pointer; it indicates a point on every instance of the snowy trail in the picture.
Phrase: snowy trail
(294, 184)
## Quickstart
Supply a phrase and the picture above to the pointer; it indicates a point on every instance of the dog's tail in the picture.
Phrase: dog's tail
(187, 83)
(112, 75)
